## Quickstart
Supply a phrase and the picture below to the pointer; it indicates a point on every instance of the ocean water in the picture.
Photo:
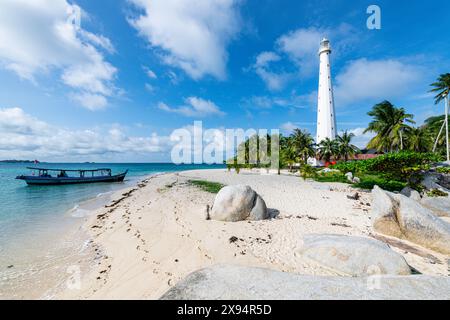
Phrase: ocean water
(35, 220)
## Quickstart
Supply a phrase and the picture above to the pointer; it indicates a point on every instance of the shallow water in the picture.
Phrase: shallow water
(39, 225)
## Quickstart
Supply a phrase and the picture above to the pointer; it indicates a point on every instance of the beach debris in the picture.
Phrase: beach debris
(353, 256)
(10, 266)
(354, 196)
(399, 216)
(233, 239)
(208, 215)
(337, 224)
(308, 217)
(124, 196)
(239, 203)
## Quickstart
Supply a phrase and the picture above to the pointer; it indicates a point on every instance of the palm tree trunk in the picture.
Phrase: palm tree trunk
(439, 135)
(446, 127)
(401, 139)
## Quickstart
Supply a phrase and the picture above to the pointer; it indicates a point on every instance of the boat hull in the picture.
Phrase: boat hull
(54, 181)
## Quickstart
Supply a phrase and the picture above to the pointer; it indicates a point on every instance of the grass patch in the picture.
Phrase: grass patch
(211, 187)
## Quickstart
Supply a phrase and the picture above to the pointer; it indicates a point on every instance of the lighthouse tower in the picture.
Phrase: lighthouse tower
(326, 116)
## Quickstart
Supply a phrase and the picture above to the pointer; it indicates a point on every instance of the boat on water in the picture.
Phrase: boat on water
(62, 176)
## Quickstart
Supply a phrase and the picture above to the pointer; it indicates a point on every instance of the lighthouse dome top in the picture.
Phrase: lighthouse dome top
(325, 46)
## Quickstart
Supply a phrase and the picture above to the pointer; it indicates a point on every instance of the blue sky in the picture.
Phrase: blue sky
(114, 88)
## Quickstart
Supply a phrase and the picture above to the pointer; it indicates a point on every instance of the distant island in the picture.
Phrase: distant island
(18, 161)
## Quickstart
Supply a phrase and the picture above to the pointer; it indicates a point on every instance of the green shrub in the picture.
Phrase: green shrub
(437, 193)
(445, 170)
(307, 171)
(332, 176)
(368, 182)
(401, 166)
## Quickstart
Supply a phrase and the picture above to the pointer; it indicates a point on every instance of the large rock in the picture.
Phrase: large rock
(349, 176)
(226, 282)
(439, 205)
(399, 216)
(411, 193)
(239, 203)
(383, 213)
(353, 256)
(434, 180)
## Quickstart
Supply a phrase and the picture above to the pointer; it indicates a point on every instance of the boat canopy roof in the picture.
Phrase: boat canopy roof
(70, 170)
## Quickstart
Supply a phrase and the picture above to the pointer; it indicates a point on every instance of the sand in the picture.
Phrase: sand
(155, 234)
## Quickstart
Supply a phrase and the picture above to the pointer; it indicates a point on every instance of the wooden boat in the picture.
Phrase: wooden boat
(62, 177)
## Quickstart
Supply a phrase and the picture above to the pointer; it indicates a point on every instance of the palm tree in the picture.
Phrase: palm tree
(328, 149)
(289, 153)
(442, 87)
(418, 139)
(389, 124)
(346, 148)
(400, 127)
(304, 144)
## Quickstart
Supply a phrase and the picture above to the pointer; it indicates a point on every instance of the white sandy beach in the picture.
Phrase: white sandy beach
(154, 235)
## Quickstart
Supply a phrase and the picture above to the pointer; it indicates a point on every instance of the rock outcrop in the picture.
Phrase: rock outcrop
(399, 216)
(238, 203)
(353, 256)
(227, 282)
(440, 206)
(411, 193)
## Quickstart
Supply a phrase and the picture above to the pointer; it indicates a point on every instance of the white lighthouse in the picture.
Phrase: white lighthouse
(326, 116)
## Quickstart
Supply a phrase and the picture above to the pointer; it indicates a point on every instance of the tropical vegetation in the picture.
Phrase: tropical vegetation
(404, 150)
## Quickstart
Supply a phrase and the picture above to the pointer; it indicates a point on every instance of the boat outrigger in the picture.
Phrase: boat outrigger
(62, 177)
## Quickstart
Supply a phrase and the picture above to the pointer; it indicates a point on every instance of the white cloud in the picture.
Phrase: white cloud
(192, 35)
(150, 73)
(290, 101)
(194, 107)
(23, 136)
(273, 80)
(288, 127)
(91, 101)
(302, 45)
(149, 88)
(363, 80)
(40, 36)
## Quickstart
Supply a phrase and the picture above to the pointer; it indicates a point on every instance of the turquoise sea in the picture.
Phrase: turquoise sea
(33, 219)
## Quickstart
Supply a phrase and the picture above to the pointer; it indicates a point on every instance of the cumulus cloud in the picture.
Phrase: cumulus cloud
(273, 80)
(300, 47)
(194, 107)
(24, 136)
(191, 35)
(40, 36)
(364, 79)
